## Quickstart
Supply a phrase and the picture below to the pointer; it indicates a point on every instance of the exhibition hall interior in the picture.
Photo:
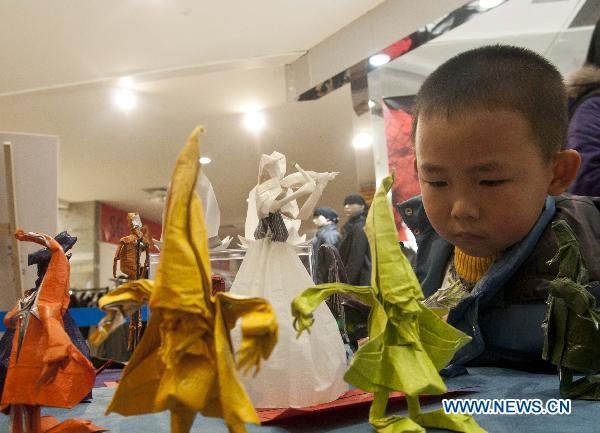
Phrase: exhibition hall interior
(284, 216)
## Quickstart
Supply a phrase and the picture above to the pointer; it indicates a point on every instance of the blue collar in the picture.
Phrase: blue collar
(413, 213)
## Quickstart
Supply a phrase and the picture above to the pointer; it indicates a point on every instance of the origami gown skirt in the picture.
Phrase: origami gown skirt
(300, 372)
(6, 343)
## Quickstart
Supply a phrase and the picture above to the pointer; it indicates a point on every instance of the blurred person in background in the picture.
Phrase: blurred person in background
(583, 89)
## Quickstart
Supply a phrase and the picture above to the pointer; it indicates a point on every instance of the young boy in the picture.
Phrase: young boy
(488, 133)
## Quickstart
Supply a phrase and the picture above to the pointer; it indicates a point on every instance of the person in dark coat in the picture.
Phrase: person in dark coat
(354, 248)
(583, 89)
(326, 219)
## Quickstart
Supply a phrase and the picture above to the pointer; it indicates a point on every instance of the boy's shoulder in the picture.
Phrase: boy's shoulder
(582, 213)
(530, 281)
(567, 198)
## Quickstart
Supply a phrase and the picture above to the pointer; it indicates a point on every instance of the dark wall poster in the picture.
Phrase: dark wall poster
(397, 117)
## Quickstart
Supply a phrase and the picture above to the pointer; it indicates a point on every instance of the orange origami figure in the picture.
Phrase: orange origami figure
(45, 367)
(130, 249)
(129, 254)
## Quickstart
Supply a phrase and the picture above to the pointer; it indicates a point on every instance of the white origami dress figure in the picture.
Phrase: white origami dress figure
(309, 370)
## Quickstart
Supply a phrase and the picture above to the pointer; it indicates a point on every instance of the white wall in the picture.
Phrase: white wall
(35, 177)
(106, 253)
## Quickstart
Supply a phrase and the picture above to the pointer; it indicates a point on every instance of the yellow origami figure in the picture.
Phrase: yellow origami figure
(184, 362)
(408, 343)
(120, 303)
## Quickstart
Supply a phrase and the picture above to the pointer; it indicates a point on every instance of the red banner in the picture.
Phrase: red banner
(397, 119)
(114, 225)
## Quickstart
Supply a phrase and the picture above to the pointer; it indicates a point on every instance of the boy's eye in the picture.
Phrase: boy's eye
(492, 182)
(437, 183)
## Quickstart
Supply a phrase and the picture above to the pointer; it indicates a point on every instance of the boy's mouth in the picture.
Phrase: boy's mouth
(468, 237)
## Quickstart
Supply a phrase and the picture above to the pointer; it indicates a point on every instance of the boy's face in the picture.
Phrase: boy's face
(482, 177)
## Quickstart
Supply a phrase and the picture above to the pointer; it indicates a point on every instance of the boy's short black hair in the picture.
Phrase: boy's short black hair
(500, 77)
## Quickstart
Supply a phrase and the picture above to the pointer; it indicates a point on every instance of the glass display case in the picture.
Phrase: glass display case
(226, 263)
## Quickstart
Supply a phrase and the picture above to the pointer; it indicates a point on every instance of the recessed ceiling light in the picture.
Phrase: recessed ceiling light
(124, 99)
(254, 121)
(362, 140)
(489, 4)
(205, 160)
(371, 103)
(126, 82)
(379, 59)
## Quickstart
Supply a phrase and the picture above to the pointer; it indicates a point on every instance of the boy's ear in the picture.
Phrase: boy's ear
(566, 167)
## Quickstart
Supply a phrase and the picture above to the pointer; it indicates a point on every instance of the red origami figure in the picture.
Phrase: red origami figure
(45, 367)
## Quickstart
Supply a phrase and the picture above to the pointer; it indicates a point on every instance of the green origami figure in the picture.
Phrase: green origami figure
(572, 340)
(408, 343)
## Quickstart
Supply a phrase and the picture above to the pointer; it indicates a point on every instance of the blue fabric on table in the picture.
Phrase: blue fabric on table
(492, 382)
(83, 316)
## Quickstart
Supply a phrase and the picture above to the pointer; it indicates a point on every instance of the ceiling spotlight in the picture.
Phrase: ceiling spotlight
(362, 140)
(371, 103)
(379, 59)
(254, 121)
(126, 82)
(489, 4)
(205, 160)
(124, 99)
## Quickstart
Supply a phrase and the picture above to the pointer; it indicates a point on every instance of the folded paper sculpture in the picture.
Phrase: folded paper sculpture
(45, 368)
(408, 343)
(118, 304)
(41, 259)
(301, 371)
(572, 338)
(184, 362)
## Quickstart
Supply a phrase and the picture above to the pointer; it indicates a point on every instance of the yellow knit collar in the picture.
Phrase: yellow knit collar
(471, 268)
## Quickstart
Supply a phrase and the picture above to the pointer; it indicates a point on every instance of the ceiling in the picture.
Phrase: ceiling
(545, 26)
(192, 63)
(57, 43)
(206, 63)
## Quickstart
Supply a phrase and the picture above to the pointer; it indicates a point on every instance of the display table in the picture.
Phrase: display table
(492, 383)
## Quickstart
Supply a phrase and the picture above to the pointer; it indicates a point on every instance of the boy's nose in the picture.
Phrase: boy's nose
(464, 208)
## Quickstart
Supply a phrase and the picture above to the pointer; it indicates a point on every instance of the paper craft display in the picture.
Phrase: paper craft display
(119, 303)
(129, 253)
(273, 184)
(309, 370)
(212, 214)
(130, 250)
(41, 259)
(408, 344)
(572, 338)
(45, 367)
(184, 362)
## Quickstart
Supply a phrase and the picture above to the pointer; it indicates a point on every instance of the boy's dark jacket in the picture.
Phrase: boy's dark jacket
(504, 312)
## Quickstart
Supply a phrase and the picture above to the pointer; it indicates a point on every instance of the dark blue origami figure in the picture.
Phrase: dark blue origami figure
(41, 259)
